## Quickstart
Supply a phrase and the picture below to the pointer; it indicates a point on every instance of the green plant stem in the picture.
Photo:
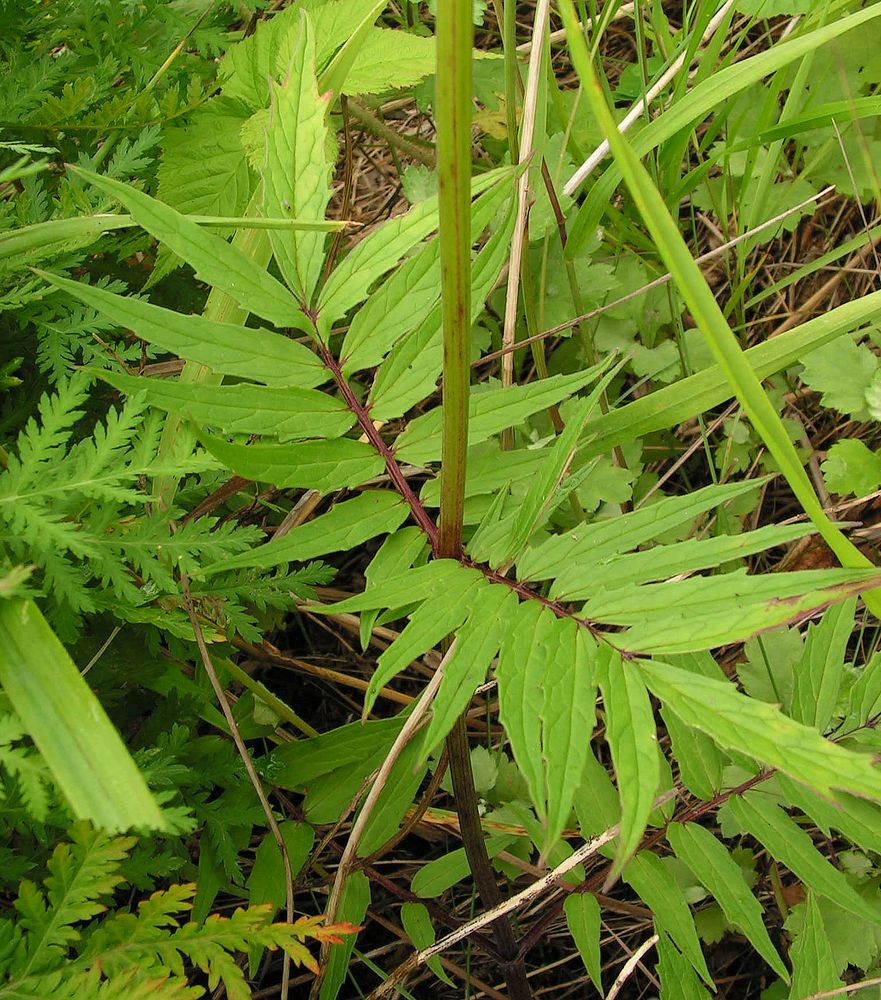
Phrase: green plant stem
(454, 79)
(453, 111)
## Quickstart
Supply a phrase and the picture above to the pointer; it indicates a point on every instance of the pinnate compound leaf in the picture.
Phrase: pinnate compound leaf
(820, 669)
(215, 261)
(632, 739)
(346, 525)
(655, 885)
(678, 978)
(225, 348)
(429, 623)
(583, 920)
(761, 731)
(477, 643)
(813, 964)
(316, 465)
(720, 875)
(243, 409)
(296, 171)
(786, 841)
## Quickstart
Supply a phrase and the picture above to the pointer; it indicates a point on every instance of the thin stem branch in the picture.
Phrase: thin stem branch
(254, 778)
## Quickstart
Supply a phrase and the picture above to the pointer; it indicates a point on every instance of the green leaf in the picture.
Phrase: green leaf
(346, 525)
(820, 670)
(630, 733)
(204, 167)
(851, 467)
(243, 409)
(552, 475)
(786, 841)
(410, 372)
(315, 465)
(226, 348)
(381, 250)
(431, 622)
(653, 881)
(857, 819)
(84, 752)
(477, 643)
(864, 702)
(568, 717)
(709, 388)
(419, 928)
(299, 764)
(678, 979)
(434, 878)
(813, 965)
(700, 760)
(587, 543)
(214, 260)
(390, 60)
(399, 305)
(681, 616)
(393, 802)
(266, 882)
(721, 876)
(491, 410)
(843, 372)
(524, 660)
(352, 908)
(583, 920)
(296, 171)
(360, 23)
(761, 731)
(411, 587)
(579, 580)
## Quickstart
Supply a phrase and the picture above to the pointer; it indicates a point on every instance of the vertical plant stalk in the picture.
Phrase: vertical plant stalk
(454, 81)
(453, 103)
